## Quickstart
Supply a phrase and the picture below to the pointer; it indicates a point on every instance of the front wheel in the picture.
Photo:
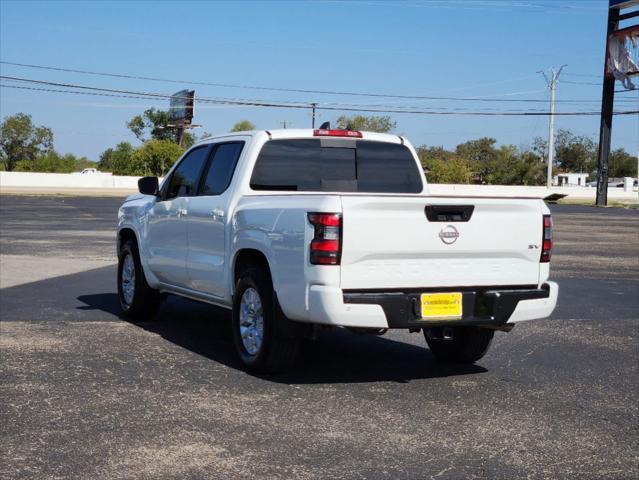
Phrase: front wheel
(260, 332)
(138, 300)
(465, 345)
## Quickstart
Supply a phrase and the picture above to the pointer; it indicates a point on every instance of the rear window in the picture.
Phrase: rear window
(330, 165)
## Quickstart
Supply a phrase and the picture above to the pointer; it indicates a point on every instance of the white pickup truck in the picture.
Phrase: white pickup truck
(298, 230)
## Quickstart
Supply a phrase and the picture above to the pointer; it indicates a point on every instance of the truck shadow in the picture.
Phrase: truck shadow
(337, 356)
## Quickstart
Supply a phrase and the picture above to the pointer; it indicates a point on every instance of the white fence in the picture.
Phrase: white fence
(105, 181)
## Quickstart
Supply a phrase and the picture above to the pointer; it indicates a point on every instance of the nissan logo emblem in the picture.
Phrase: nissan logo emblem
(448, 234)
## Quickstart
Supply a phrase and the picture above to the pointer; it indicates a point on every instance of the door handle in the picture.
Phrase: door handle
(217, 214)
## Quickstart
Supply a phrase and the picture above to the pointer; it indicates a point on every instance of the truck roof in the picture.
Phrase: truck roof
(284, 133)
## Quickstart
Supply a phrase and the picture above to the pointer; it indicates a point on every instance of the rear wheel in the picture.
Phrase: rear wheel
(137, 299)
(260, 333)
(458, 344)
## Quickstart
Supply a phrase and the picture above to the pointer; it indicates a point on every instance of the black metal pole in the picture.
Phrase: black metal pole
(605, 129)
(313, 121)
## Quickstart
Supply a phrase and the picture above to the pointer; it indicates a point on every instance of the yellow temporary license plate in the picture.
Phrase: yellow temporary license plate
(446, 306)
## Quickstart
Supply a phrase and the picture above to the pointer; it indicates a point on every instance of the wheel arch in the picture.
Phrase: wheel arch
(124, 234)
(249, 256)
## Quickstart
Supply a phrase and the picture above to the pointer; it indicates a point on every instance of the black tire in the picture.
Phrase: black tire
(279, 347)
(468, 345)
(144, 303)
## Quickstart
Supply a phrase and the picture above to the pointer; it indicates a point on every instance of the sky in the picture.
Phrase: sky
(457, 48)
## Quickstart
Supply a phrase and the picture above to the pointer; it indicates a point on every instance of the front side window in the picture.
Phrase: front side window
(184, 180)
(221, 168)
(323, 165)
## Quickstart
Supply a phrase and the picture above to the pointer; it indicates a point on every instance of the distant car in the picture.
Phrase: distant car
(89, 171)
(620, 184)
(612, 184)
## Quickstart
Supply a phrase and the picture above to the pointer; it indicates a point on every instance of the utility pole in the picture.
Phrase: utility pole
(314, 105)
(284, 123)
(552, 85)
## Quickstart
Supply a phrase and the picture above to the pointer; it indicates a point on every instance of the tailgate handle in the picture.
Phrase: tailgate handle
(449, 213)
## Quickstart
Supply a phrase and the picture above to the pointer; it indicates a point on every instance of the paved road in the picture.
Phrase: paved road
(86, 394)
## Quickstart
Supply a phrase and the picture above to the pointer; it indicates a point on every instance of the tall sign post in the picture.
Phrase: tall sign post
(605, 127)
(608, 93)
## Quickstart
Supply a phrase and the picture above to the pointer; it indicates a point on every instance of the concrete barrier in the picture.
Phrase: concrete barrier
(68, 182)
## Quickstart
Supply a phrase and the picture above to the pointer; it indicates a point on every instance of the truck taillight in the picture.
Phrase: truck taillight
(546, 246)
(326, 246)
(336, 133)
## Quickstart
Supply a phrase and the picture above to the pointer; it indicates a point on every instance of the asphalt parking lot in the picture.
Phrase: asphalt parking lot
(87, 394)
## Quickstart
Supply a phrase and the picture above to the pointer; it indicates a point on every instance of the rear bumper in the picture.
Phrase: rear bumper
(481, 306)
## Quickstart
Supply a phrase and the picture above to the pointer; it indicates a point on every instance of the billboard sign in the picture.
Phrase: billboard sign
(623, 3)
(181, 107)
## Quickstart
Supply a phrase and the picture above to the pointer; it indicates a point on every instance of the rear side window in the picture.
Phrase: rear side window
(221, 168)
(185, 177)
(324, 165)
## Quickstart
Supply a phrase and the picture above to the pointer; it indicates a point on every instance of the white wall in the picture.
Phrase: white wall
(27, 180)
(66, 180)
(575, 193)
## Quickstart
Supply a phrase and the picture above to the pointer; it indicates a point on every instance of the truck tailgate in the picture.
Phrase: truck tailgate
(389, 243)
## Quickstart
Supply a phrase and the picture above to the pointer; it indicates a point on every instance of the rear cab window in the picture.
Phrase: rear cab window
(336, 165)
(221, 167)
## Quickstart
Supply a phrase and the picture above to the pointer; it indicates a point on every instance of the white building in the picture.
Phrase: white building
(571, 179)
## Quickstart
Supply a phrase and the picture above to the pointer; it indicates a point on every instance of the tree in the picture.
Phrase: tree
(120, 159)
(431, 153)
(381, 124)
(480, 159)
(152, 124)
(456, 170)
(106, 160)
(512, 167)
(242, 126)
(575, 153)
(480, 150)
(53, 162)
(20, 140)
(155, 157)
(540, 148)
(481, 153)
(443, 166)
(535, 171)
(188, 140)
(622, 164)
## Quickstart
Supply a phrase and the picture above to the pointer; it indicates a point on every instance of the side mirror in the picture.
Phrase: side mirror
(148, 185)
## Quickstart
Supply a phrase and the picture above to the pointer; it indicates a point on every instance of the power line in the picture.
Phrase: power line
(581, 83)
(599, 85)
(90, 90)
(232, 103)
(279, 89)
(582, 75)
